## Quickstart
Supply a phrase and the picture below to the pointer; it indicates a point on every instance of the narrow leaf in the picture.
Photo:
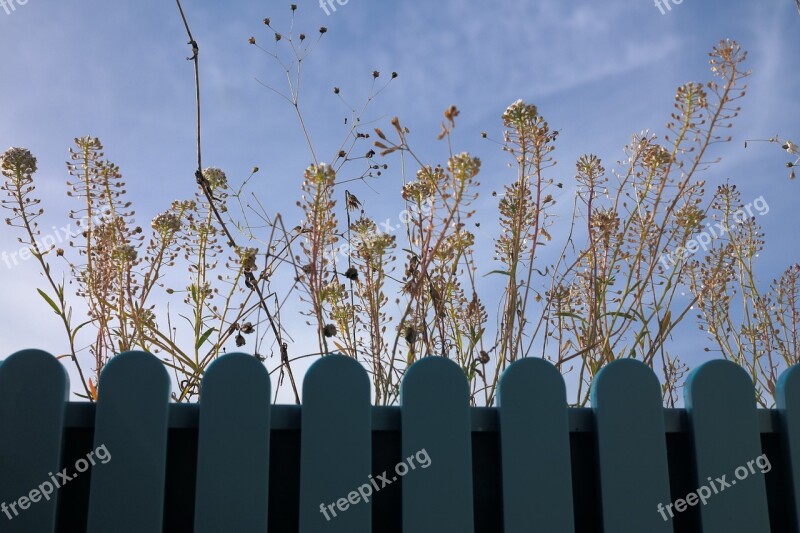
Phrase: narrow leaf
(50, 301)
(204, 337)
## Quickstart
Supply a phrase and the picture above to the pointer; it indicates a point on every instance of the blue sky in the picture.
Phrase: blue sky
(598, 71)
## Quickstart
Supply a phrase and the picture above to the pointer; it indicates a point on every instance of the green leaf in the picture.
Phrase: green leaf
(665, 322)
(502, 272)
(620, 314)
(204, 337)
(571, 315)
(50, 301)
(75, 331)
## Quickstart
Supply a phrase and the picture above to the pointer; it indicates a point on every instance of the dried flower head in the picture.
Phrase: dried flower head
(726, 57)
(451, 113)
(247, 258)
(692, 96)
(166, 223)
(216, 178)
(656, 156)
(463, 167)
(17, 161)
(424, 187)
(689, 217)
(410, 334)
(590, 173)
(351, 202)
(520, 115)
(124, 253)
(351, 274)
(322, 174)
(605, 224)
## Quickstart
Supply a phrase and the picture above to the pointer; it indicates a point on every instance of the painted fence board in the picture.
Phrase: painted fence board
(434, 398)
(127, 493)
(336, 448)
(131, 419)
(233, 447)
(721, 406)
(632, 448)
(787, 398)
(535, 449)
(34, 388)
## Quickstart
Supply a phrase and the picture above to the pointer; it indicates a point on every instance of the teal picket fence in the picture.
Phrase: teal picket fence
(134, 462)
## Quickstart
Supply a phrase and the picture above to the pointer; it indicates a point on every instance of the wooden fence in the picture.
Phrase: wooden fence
(236, 463)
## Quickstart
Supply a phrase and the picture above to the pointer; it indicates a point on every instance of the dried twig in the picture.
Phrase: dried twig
(250, 280)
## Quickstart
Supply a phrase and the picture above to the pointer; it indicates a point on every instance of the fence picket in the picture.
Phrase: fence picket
(721, 406)
(434, 398)
(787, 398)
(336, 447)
(534, 438)
(127, 493)
(632, 448)
(34, 388)
(233, 446)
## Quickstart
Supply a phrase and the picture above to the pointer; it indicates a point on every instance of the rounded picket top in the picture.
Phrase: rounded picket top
(535, 450)
(629, 378)
(335, 443)
(787, 400)
(721, 406)
(713, 377)
(627, 403)
(141, 372)
(531, 377)
(34, 389)
(131, 421)
(33, 370)
(232, 488)
(437, 376)
(435, 418)
(241, 371)
(787, 389)
(335, 373)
